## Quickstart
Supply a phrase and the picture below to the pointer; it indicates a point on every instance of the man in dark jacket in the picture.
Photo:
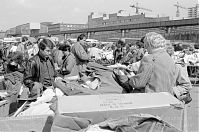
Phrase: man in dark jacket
(40, 68)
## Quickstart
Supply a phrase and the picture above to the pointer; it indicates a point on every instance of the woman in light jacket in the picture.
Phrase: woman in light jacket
(68, 68)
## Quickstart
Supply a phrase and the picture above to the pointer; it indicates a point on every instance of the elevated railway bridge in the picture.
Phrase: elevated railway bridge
(184, 29)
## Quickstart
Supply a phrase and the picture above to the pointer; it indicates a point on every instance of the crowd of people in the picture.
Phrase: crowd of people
(47, 69)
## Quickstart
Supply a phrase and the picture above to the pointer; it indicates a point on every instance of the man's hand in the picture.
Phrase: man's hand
(120, 75)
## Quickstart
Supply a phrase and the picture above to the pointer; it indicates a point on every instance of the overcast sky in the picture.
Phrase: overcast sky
(16, 12)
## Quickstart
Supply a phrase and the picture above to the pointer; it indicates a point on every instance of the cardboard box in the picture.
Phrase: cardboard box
(101, 107)
(26, 124)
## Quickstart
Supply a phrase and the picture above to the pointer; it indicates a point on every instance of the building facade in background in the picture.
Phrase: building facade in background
(27, 29)
(2, 34)
(64, 27)
(193, 12)
(120, 19)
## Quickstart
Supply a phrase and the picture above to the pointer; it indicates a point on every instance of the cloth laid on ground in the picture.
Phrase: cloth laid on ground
(130, 123)
(96, 80)
(108, 83)
(73, 88)
(64, 123)
(138, 123)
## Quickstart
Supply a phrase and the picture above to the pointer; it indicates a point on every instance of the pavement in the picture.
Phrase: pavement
(193, 110)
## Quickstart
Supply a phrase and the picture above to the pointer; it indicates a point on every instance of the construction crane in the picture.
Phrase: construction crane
(178, 9)
(137, 8)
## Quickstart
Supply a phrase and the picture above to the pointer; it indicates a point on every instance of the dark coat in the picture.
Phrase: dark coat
(39, 69)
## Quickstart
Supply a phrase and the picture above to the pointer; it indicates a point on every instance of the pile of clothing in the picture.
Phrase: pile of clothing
(130, 123)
